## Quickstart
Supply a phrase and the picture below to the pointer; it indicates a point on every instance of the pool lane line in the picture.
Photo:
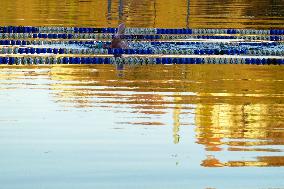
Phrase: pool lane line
(12, 42)
(139, 37)
(177, 51)
(142, 56)
(134, 61)
(32, 29)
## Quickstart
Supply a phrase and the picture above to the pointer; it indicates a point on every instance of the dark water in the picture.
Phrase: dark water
(147, 13)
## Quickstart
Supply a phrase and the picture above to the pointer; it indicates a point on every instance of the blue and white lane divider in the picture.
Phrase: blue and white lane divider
(136, 37)
(141, 59)
(178, 51)
(30, 29)
(198, 46)
(99, 44)
(251, 43)
(53, 42)
(137, 60)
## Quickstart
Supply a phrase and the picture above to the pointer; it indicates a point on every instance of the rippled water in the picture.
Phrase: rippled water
(147, 13)
(142, 126)
(151, 126)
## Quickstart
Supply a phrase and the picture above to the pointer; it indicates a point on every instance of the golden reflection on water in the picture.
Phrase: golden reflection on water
(147, 13)
(265, 161)
(233, 111)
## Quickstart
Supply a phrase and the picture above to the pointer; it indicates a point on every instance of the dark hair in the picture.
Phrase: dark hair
(115, 42)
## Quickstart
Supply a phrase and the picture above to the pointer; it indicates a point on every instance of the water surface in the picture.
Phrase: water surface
(151, 126)
(254, 14)
(142, 126)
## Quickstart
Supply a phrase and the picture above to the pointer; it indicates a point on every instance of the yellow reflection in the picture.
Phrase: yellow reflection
(211, 161)
(74, 83)
(246, 118)
(147, 13)
(177, 111)
(265, 161)
(215, 124)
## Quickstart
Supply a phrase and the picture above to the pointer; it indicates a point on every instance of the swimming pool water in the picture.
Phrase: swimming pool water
(142, 126)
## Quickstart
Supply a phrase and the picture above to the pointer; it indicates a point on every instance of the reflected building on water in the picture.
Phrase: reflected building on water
(230, 114)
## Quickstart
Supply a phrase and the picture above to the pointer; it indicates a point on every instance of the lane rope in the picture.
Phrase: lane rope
(31, 29)
(227, 51)
(137, 60)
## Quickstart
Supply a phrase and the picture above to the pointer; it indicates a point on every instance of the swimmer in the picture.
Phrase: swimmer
(117, 41)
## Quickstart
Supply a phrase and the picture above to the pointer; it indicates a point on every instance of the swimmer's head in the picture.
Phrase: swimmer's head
(115, 43)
